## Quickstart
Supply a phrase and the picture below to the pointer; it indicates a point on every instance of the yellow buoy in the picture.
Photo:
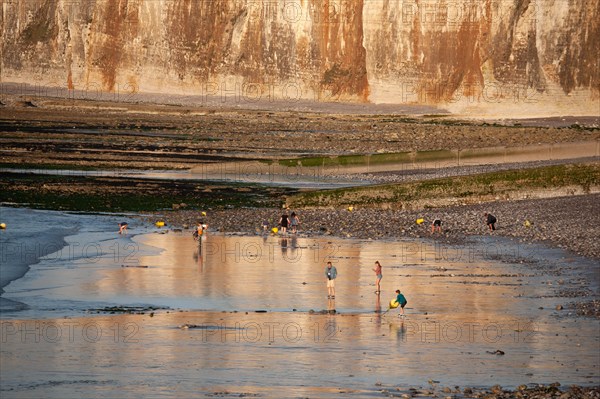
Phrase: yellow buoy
(2, 226)
(394, 304)
(420, 221)
(350, 208)
(203, 213)
(160, 223)
(274, 230)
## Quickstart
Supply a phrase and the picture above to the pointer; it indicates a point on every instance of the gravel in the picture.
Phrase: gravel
(571, 222)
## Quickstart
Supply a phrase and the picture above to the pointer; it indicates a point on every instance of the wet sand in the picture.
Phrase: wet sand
(482, 310)
(251, 317)
(284, 355)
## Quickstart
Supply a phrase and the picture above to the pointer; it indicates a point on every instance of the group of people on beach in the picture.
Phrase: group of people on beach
(331, 275)
(400, 299)
(490, 221)
(291, 222)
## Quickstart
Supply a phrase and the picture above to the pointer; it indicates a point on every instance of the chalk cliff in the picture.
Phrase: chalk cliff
(523, 57)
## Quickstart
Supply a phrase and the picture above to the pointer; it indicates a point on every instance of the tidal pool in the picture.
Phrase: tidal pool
(249, 315)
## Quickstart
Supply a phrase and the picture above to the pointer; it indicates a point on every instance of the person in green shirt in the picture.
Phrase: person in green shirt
(402, 301)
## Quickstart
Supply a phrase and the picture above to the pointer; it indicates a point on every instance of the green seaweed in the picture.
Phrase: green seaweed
(104, 194)
(585, 176)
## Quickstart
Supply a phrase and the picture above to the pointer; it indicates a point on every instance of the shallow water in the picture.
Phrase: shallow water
(463, 303)
(236, 172)
(335, 172)
(56, 242)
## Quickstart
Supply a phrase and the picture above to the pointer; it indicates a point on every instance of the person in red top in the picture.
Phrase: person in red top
(379, 275)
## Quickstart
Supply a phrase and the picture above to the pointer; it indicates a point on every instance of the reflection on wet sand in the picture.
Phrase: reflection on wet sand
(249, 272)
(331, 305)
(266, 326)
(269, 352)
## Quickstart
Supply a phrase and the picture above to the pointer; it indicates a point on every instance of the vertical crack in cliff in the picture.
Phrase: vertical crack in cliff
(516, 55)
(255, 59)
(68, 54)
(579, 63)
(114, 28)
(342, 56)
(199, 37)
(32, 40)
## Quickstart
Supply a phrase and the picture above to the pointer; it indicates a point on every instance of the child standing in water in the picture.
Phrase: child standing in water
(379, 275)
(294, 222)
(402, 301)
(284, 222)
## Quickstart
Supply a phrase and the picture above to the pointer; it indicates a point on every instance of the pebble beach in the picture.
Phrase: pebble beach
(571, 223)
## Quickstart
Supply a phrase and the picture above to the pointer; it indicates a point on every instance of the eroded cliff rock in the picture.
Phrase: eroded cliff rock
(522, 56)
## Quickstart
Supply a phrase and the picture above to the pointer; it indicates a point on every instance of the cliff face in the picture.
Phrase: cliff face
(460, 54)
(522, 52)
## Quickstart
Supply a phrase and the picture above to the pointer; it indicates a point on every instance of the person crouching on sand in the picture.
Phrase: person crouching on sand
(490, 220)
(402, 301)
(436, 225)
